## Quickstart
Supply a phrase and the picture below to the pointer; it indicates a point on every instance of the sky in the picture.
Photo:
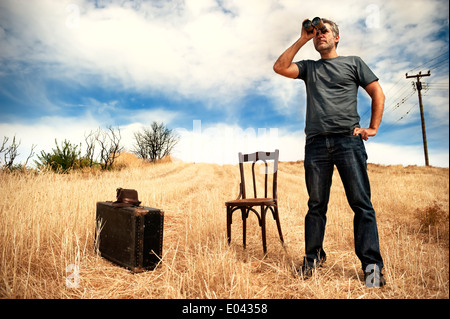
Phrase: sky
(205, 69)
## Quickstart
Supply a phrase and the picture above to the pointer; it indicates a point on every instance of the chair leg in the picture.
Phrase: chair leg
(229, 221)
(263, 229)
(244, 227)
(277, 219)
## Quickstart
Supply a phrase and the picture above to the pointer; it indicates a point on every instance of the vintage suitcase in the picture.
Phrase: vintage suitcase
(130, 236)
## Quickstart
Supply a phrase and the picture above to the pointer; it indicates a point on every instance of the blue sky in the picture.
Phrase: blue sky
(204, 68)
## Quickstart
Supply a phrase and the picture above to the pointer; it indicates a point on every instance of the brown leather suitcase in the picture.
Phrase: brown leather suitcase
(130, 236)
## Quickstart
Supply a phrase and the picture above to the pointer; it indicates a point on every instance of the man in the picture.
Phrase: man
(334, 137)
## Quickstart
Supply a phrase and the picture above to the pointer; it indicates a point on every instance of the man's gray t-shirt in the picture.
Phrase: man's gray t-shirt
(332, 89)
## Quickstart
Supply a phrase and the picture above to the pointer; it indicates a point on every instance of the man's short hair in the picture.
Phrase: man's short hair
(334, 28)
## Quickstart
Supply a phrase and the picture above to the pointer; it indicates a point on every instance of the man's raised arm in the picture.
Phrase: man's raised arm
(284, 65)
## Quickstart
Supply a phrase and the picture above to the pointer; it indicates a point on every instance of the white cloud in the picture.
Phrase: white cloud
(201, 48)
(220, 143)
(43, 133)
(387, 154)
(110, 112)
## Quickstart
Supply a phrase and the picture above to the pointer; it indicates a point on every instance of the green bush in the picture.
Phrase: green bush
(63, 158)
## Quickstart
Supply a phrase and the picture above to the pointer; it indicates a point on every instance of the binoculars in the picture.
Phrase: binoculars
(316, 23)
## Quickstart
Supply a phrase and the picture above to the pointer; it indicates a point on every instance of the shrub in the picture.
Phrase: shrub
(62, 159)
(433, 221)
(432, 215)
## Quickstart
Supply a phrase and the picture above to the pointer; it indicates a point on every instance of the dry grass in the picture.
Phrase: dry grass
(47, 223)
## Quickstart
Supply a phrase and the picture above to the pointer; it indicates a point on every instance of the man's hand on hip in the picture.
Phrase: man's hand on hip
(365, 132)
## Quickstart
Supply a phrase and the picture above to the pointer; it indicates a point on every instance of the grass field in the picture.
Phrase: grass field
(47, 226)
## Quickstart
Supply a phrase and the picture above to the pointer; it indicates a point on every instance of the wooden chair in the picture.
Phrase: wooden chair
(246, 205)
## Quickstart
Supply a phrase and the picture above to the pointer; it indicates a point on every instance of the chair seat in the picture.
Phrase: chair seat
(251, 202)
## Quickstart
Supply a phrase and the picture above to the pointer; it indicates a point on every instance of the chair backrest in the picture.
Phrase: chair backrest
(264, 157)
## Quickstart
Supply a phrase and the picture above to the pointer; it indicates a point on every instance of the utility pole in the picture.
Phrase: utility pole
(419, 89)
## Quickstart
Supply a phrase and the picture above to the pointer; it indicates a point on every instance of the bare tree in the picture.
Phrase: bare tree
(10, 154)
(5, 140)
(155, 142)
(109, 141)
(4, 148)
(90, 140)
(30, 155)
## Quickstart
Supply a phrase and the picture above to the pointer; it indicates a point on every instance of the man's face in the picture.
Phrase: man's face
(325, 41)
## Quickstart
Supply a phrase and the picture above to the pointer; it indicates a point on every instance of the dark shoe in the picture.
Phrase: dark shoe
(373, 277)
(305, 271)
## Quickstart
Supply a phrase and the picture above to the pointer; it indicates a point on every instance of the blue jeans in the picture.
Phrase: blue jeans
(348, 153)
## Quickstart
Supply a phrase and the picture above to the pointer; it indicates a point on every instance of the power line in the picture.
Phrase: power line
(422, 65)
(407, 113)
(406, 94)
(403, 101)
(395, 101)
(436, 86)
(388, 126)
(436, 65)
(398, 96)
